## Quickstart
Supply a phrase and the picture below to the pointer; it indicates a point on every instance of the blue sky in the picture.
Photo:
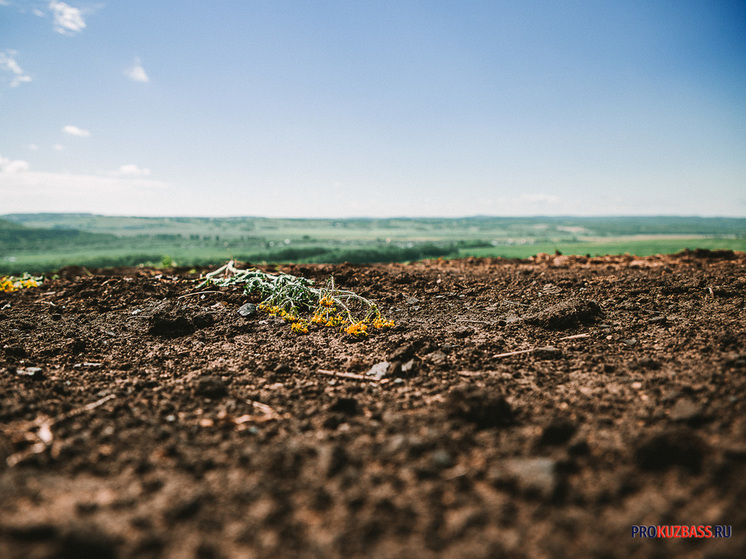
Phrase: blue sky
(373, 108)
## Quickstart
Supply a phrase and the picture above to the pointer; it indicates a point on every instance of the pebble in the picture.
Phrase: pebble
(404, 352)
(34, 372)
(247, 310)
(532, 475)
(378, 371)
(686, 410)
(441, 459)
(408, 368)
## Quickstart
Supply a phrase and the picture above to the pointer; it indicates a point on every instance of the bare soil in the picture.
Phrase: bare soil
(140, 419)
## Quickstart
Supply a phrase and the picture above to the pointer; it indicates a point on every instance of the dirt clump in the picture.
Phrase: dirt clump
(535, 408)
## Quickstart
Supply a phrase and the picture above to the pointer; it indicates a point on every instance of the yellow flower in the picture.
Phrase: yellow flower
(357, 329)
(381, 322)
(299, 327)
(11, 283)
(7, 285)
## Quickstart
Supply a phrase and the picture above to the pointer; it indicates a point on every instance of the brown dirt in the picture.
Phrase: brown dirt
(128, 429)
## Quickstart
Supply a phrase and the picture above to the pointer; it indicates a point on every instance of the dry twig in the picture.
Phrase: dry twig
(543, 348)
(351, 376)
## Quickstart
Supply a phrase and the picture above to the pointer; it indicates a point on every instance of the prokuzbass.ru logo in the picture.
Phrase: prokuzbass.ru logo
(680, 531)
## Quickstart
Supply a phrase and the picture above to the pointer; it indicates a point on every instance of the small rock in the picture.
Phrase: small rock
(247, 310)
(532, 475)
(441, 459)
(408, 369)
(404, 352)
(378, 371)
(35, 373)
(686, 410)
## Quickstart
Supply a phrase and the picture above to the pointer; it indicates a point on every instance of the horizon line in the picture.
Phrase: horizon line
(352, 218)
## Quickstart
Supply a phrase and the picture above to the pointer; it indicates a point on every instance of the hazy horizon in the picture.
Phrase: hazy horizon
(378, 109)
(391, 217)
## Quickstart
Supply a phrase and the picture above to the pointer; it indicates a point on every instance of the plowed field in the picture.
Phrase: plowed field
(537, 408)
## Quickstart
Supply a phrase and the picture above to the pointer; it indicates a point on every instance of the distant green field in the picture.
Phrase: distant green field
(44, 242)
(636, 247)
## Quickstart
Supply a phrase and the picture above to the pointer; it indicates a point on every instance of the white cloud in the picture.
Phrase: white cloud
(132, 170)
(548, 199)
(9, 65)
(58, 147)
(13, 166)
(33, 147)
(137, 73)
(34, 191)
(67, 19)
(75, 131)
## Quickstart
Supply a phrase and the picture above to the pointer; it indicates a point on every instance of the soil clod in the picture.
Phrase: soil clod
(566, 314)
(662, 451)
(479, 406)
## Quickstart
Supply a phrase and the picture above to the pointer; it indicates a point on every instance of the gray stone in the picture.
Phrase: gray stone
(533, 475)
(685, 410)
(247, 310)
(378, 371)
